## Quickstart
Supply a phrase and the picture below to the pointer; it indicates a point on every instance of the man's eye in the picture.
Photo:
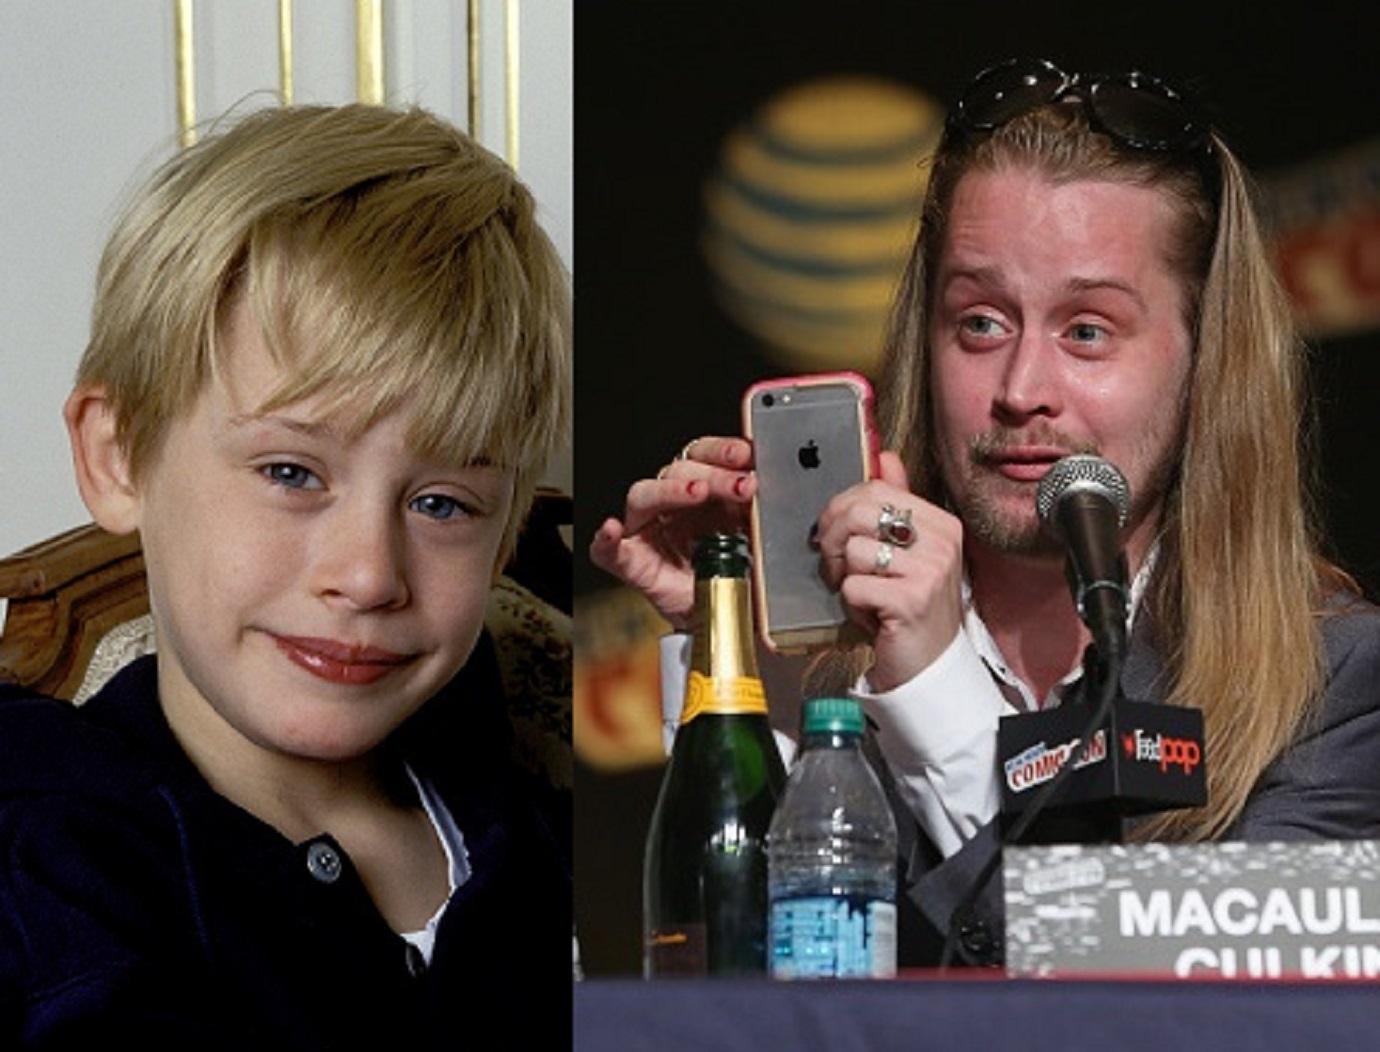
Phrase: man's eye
(980, 325)
(439, 506)
(1086, 332)
(291, 476)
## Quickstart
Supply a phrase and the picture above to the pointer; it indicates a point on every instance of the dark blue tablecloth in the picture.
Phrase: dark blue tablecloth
(978, 1014)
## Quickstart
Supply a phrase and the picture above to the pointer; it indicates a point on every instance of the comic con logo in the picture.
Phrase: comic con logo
(1184, 753)
(1041, 762)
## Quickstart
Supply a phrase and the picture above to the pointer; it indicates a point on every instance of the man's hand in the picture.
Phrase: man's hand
(708, 488)
(909, 600)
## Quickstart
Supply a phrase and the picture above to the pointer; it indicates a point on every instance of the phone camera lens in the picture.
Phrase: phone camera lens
(768, 400)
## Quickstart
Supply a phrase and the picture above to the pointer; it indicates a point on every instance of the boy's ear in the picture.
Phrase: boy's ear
(102, 467)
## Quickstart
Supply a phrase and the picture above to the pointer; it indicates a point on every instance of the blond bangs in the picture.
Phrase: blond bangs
(390, 262)
(452, 345)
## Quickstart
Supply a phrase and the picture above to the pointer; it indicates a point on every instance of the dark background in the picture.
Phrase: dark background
(659, 84)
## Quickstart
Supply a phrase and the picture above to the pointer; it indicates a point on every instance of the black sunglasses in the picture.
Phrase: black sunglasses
(1135, 109)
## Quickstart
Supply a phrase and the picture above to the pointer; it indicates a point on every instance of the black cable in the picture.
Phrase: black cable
(1110, 684)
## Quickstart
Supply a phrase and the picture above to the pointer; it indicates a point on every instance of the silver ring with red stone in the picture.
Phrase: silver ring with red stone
(894, 525)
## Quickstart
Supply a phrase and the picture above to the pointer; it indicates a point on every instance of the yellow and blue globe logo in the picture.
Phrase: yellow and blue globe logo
(812, 211)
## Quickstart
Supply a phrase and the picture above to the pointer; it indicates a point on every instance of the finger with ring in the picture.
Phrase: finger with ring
(894, 525)
(881, 562)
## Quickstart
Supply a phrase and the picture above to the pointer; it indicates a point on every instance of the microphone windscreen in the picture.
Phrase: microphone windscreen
(1082, 473)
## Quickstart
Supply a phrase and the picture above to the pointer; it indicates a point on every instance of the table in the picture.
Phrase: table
(984, 1013)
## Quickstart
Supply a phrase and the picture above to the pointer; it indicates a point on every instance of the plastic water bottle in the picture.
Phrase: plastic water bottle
(832, 857)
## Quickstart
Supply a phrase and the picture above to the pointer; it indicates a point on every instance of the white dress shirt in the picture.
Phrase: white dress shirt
(942, 751)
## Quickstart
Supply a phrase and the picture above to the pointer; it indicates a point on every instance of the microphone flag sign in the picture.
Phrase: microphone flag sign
(1145, 758)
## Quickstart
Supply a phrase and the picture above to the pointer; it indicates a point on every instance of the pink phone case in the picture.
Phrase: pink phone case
(813, 436)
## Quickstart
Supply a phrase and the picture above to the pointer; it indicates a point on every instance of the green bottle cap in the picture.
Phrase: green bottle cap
(721, 555)
(833, 716)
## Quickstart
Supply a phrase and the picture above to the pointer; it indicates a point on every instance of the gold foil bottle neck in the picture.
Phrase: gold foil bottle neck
(723, 657)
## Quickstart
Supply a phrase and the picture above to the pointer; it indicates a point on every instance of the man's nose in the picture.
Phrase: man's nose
(362, 558)
(1029, 383)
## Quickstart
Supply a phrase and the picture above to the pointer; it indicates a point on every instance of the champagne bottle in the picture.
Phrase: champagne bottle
(705, 871)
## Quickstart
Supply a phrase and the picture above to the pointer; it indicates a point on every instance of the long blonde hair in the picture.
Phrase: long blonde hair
(1238, 583)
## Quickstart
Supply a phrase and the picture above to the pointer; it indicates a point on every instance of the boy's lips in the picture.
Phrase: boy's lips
(339, 662)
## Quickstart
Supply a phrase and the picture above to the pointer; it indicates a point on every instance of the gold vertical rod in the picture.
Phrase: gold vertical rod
(472, 39)
(185, 72)
(285, 51)
(510, 81)
(369, 50)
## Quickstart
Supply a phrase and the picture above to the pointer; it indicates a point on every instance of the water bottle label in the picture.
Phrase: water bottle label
(739, 695)
(836, 937)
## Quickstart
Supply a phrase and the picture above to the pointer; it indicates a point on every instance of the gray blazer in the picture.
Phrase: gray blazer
(1325, 786)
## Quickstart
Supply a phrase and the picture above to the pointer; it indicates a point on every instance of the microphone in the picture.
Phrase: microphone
(1126, 757)
(1082, 502)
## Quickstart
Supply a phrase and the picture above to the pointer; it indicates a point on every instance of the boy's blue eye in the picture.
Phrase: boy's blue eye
(291, 476)
(438, 506)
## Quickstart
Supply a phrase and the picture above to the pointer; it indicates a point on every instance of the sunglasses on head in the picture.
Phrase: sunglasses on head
(1135, 109)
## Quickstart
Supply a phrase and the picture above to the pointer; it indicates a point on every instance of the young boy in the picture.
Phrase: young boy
(329, 359)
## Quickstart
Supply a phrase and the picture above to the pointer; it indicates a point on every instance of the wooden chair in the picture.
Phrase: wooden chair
(78, 611)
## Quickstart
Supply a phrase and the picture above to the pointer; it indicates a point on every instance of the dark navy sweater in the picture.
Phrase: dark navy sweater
(134, 900)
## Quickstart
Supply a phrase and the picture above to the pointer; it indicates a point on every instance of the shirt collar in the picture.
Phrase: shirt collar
(1016, 689)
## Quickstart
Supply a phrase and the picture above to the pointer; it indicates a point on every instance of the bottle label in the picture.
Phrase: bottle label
(705, 694)
(677, 951)
(833, 937)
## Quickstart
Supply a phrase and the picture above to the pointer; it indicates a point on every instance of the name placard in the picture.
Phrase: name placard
(1234, 910)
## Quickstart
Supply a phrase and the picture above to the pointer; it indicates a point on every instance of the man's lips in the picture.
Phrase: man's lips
(1023, 463)
(340, 662)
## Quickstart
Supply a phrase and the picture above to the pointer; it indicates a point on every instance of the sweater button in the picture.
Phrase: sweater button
(323, 862)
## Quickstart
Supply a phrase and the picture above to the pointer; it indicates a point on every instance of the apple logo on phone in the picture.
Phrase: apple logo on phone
(808, 455)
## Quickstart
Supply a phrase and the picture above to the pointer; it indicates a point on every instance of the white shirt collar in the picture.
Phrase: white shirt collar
(1017, 692)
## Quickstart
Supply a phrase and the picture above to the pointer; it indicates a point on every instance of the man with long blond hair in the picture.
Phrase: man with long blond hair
(1089, 277)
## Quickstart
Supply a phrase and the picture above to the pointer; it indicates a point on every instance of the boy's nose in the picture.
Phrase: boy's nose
(363, 561)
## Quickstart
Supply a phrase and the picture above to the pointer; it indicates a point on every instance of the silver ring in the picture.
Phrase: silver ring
(881, 562)
(684, 453)
(894, 525)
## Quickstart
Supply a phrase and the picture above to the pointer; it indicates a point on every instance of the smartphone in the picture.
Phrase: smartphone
(813, 437)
